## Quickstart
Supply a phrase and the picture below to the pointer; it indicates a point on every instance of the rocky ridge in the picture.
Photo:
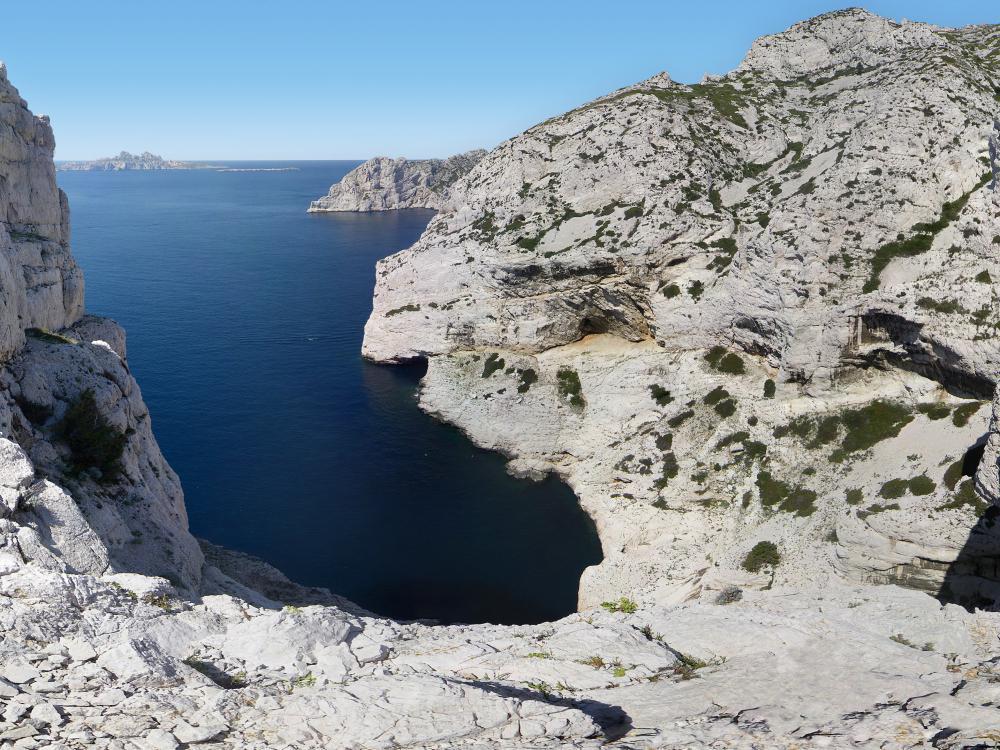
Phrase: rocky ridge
(384, 184)
(572, 353)
(126, 161)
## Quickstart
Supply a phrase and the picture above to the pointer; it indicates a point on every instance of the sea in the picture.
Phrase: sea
(245, 317)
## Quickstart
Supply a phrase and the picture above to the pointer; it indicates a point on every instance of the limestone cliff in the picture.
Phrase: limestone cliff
(43, 287)
(698, 296)
(751, 322)
(384, 184)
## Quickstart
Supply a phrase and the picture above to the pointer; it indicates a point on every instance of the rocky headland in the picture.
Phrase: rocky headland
(752, 322)
(384, 184)
(126, 161)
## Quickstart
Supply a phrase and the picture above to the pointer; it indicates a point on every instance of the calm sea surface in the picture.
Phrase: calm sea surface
(245, 318)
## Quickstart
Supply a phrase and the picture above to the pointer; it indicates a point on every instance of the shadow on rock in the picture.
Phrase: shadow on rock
(612, 720)
(973, 579)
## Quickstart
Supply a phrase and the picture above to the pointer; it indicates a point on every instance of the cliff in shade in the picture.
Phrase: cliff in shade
(752, 322)
(384, 184)
(125, 161)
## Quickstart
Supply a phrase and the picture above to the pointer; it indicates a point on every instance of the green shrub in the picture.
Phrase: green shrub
(92, 440)
(696, 288)
(681, 418)
(51, 337)
(953, 474)
(871, 424)
(827, 430)
(660, 395)
(877, 508)
(893, 489)
(404, 308)
(731, 364)
(624, 604)
(528, 378)
(671, 290)
(934, 411)
(983, 277)
(569, 386)
(762, 554)
(962, 414)
(769, 388)
(736, 437)
(772, 491)
(855, 496)
(725, 409)
(714, 355)
(966, 497)
(493, 363)
(922, 485)
(716, 395)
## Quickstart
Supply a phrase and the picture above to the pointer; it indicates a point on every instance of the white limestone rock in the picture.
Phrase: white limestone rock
(384, 184)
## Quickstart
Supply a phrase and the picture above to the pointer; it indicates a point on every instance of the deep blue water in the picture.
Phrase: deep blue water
(245, 318)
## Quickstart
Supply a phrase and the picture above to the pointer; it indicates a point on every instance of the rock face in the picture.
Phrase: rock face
(715, 309)
(43, 288)
(124, 161)
(752, 323)
(384, 184)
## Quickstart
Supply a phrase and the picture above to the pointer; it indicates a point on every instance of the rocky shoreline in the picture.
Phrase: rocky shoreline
(753, 324)
(384, 184)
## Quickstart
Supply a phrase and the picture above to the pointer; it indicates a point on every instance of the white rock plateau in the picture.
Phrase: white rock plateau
(753, 323)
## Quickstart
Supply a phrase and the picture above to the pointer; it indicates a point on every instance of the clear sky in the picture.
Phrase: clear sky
(285, 79)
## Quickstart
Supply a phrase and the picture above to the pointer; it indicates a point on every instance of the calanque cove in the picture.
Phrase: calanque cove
(753, 323)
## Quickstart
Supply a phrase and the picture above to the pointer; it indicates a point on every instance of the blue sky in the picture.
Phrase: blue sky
(330, 80)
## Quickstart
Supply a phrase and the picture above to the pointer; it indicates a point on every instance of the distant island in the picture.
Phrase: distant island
(149, 162)
(124, 161)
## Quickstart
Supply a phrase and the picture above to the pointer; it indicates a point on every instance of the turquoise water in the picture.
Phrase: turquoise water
(245, 318)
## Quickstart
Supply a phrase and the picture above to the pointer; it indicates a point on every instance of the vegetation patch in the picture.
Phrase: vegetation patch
(725, 361)
(569, 387)
(763, 554)
(921, 485)
(877, 508)
(93, 441)
(493, 363)
(966, 497)
(624, 604)
(527, 378)
(404, 308)
(679, 419)
(953, 474)
(934, 411)
(777, 494)
(769, 388)
(921, 239)
(964, 412)
(660, 395)
(870, 425)
(49, 337)
(893, 489)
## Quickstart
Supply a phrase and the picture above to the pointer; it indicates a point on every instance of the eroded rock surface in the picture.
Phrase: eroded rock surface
(384, 184)
(752, 323)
